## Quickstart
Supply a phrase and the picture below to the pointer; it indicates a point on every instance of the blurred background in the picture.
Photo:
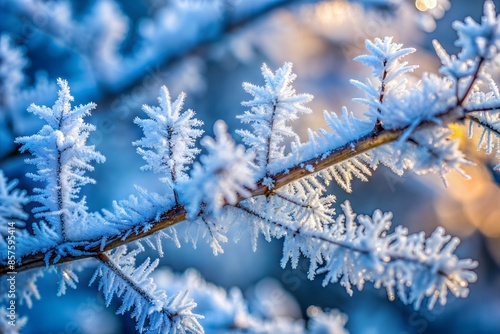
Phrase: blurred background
(118, 54)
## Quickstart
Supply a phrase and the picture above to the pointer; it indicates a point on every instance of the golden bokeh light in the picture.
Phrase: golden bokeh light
(425, 5)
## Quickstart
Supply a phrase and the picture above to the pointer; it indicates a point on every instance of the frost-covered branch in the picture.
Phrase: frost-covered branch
(178, 213)
(275, 186)
(290, 174)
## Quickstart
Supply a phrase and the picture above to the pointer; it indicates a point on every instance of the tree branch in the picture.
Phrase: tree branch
(177, 214)
(473, 79)
(376, 138)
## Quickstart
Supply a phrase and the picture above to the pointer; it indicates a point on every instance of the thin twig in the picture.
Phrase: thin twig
(484, 125)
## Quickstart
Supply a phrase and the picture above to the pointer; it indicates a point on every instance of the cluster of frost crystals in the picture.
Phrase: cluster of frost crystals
(479, 40)
(425, 151)
(431, 10)
(150, 306)
(222, 175)
(487, 117)
(62, 158)
(343, 130)
(478, 43)
(125, 218)
(169, 138)
(409, 265)
(437, 153)
(272, 108)
(11, 206)
(355, 251)
(384, 57)
(27, 290)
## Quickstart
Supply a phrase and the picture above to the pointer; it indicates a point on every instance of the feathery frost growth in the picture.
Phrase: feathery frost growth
(488, 120)
(169, 139)
(62, 158)
(479, 43)
(395, 104)
(272, 108)
(384, 58)
(222, 175)
(354, 252)
(153, 311)
(276, 186)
